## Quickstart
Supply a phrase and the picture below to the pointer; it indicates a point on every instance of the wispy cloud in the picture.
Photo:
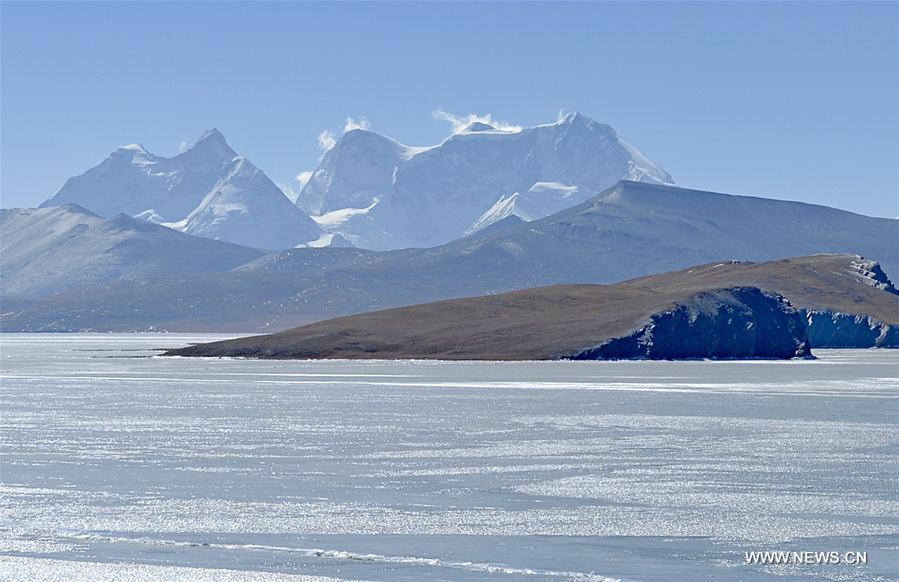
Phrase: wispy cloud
(460, 122)
(182, 147)
(352, 123)
(326, 140)
(304, 177)
(294, 193)
(291, 194)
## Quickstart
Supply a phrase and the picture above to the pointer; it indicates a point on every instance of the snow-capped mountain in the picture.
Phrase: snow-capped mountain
(381, 194)
(60, 248)
(132, 180)
(208, 190)
(246, 208)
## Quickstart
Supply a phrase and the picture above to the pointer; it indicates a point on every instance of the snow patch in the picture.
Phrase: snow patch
(149, 215)
(553, 187)
(505, 207)
(338, 217)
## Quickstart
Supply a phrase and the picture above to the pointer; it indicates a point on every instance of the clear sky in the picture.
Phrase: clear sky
(788, 100)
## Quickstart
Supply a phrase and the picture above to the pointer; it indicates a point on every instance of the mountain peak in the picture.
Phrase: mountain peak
(357, 140)
(575, 117)
(361, 136)
(211, 134)
(74, 208)
(578, 119)
(133, 153)
(476, 126)
(156, 189)
(214, 142)
(364, 135)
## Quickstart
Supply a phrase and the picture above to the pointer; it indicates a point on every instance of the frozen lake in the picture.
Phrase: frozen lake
(116, 465)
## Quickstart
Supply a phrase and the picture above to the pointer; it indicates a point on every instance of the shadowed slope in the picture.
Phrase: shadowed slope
(61, 248)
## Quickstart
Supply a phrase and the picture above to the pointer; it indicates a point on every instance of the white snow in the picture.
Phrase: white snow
(338, 217)
(149, 215)
(321, 242)
(133, 147)
(541, 199)
(410, 152)
(505, 207)
(326, 240)
(553, 187)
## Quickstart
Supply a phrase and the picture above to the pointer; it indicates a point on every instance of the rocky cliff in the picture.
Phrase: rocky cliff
(846, 300)
(830, 329)
(742, 322)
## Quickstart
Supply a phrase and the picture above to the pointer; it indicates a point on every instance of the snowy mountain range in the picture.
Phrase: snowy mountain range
(208, 191)
(369, 190)
(380, 194)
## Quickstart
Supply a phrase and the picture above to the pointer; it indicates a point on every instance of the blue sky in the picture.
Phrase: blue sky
(788, 100)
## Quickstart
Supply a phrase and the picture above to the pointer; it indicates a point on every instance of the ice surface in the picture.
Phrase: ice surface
(121, 466)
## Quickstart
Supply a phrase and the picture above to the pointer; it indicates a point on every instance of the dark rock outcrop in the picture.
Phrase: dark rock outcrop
(829, 329)
(847, 301)
(743, 322)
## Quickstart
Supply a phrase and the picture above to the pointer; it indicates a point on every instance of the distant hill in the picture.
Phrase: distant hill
(715, 310)
(560, 322)
(58, 249)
